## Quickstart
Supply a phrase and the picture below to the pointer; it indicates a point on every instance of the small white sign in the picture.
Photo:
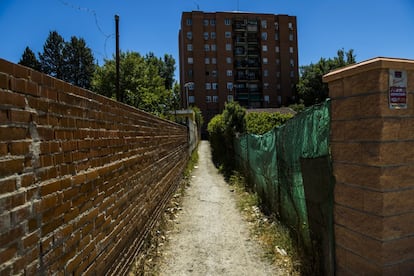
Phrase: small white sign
(397, 92)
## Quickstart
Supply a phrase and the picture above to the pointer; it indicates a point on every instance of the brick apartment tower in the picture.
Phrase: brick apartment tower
(246, 57)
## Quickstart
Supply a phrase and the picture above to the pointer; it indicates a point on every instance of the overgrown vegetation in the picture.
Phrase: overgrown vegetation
(274, 237)
(260, 123)
(224, 127)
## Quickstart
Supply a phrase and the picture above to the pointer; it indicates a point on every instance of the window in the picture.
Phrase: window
(265, 60)
(189, 21)
(189, 47)
(265, 73)
(190, 73)
(215, 99)
(264, 48)
(227, 34)
(278, 86)
(228, 47)
(266, 98)
(278, 74)
(277, 49)
(191, 99)
(291, 37)
(191, 86)
(206, 60)
(230, 85)
(213, 60)
(264, 24)
(208, 99)
(230, 98)
(266, 85)
(190, 60)
(279, 99)
(292, 74)
(291, 50)
(208, 86)
(214, 73)
(290, 26)
(276, 36)
(277, 61)
(214, 85)
(213, 35)
(212, 22)
(276, 26)
(292, 63)
(205, 35)
(206, 47)
(190, 35)
(227, 22)
(264, 36)
(228, 60)
(229, 73)
(205, 22)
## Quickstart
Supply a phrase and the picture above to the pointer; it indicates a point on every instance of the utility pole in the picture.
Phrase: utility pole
(118, 92)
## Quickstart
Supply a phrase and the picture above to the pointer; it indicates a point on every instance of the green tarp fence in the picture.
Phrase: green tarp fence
(289, 167)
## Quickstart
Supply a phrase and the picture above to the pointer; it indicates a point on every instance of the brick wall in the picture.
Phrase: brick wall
(81, 176)
(373, 163)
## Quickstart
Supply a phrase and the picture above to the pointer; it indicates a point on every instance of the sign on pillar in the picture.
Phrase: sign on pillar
(397, 93)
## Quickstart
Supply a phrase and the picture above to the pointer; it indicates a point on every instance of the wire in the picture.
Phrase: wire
(98, 26)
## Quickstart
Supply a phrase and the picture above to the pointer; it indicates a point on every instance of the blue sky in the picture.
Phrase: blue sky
(371, 27)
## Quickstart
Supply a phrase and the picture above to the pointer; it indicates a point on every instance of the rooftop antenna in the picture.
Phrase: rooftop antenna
(198, 6)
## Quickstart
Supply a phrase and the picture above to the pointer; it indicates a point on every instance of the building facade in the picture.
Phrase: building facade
(246, 57)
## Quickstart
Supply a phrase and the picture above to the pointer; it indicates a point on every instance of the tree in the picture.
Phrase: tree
(29, 59)
(310, 88)
(141, 83)
(79, 64)
(52, 59)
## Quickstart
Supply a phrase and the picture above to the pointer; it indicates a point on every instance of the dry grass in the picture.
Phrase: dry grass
(274, 238)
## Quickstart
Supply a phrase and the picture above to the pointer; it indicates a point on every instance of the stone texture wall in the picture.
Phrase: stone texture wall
(373, 163)
(81, 176)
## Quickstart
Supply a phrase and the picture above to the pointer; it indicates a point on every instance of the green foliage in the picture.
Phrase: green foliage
(52, 58)
(79, 64)
(298, 107)
(310, 88)
(70, 61)
(260, 123)
(141, 83)
(216, 128)
(222, 129)
(29, 59)
(198, 116)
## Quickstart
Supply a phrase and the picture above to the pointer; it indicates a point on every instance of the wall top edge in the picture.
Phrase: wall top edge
(367, 65)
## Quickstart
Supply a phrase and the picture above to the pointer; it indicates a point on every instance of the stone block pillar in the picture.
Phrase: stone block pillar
(372, 144)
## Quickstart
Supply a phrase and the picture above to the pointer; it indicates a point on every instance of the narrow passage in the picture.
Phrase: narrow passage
(210, 237)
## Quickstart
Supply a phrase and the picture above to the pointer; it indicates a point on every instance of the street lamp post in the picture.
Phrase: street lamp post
(186, 86)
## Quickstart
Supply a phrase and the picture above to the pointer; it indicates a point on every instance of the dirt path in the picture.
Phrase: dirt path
(210, 237)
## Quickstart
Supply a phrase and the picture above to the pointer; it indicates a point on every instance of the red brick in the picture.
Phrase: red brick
(4, 81)
(21, 214)
(19, 85)
(7, 185)
(20, 116)
(19, 148)
(11, 166)
(12, 99)
(21, 71)
(6, 67)
(13, 133)
(50, 188)
(8, 253)
(27, 179)
(31, 239)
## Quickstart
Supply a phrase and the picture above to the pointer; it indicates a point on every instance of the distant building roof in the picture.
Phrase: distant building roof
(282, 110)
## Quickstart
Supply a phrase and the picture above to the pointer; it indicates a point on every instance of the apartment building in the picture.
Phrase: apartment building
(235, 56)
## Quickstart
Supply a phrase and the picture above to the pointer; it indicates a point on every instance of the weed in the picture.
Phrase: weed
(274, 237)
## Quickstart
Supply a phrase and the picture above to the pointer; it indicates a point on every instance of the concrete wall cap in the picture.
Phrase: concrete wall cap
(367, 65)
